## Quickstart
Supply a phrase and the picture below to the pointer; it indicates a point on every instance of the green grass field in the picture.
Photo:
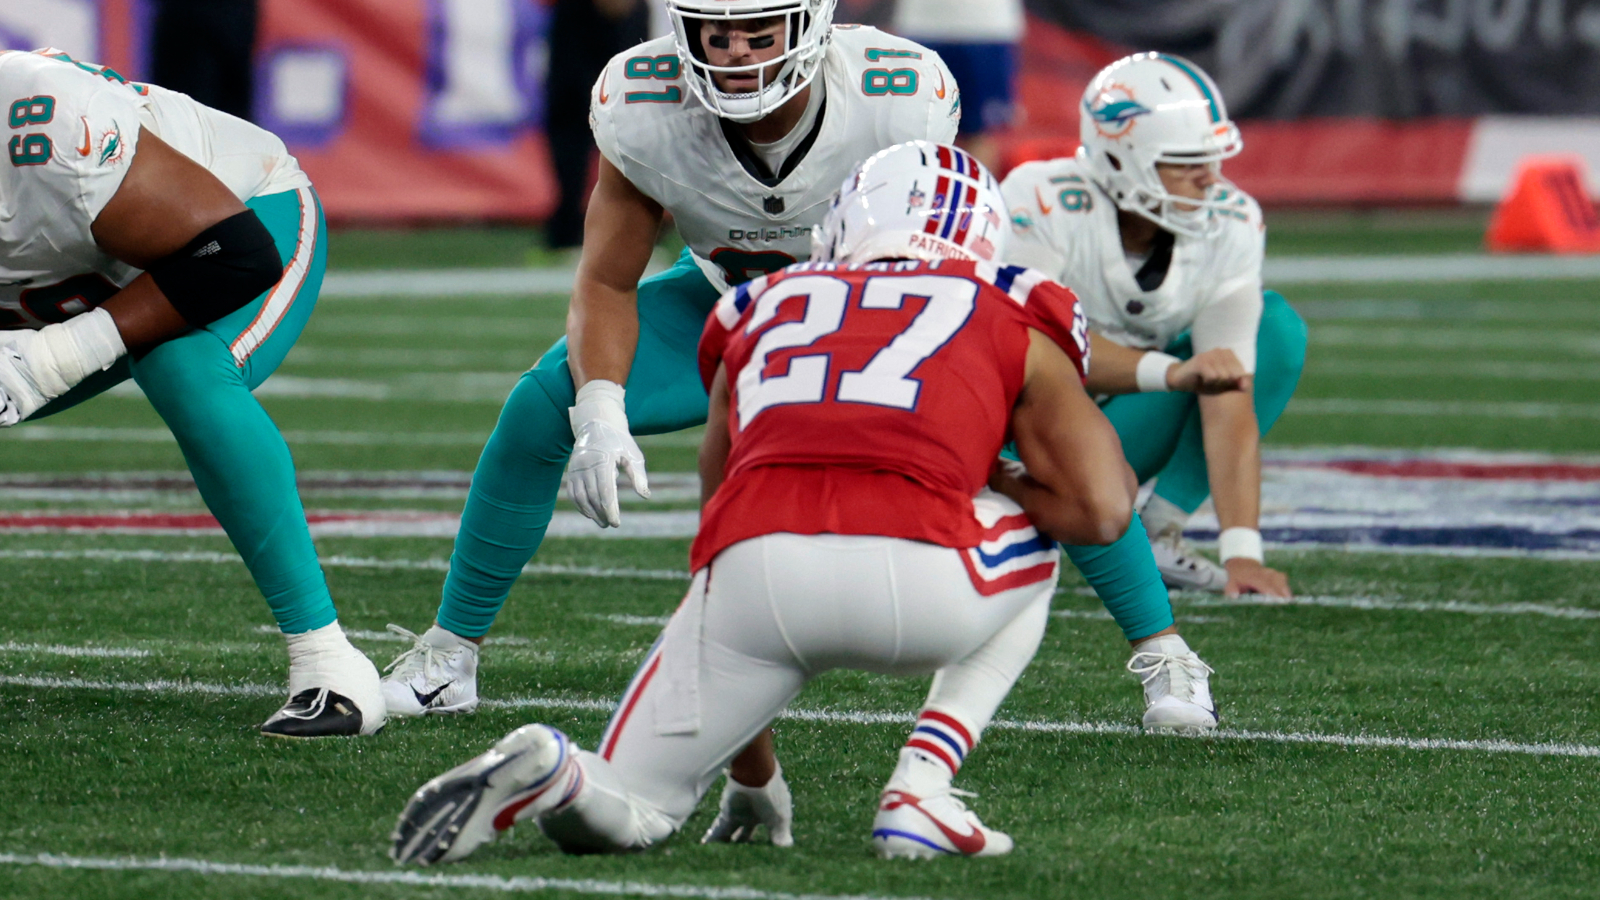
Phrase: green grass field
(1427, 745)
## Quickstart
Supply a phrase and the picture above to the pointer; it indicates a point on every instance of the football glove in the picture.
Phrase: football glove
(602, 444)
(744, 807)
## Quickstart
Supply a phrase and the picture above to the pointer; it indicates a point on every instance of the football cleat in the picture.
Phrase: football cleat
(526, 774)
(333, 689)
(744, 808)
(1177, 689)
(1182, 567)
(938, 824)
(439, 674)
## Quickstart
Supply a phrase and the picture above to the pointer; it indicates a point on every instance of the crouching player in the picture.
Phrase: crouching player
(145, 236)
(1166, 259)
(857, 408)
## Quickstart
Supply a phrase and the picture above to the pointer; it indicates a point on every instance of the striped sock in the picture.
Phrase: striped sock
(942, 738)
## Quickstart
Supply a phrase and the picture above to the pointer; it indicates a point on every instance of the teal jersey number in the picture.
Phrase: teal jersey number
(876, 53)
(878, 82)
(1074, 199)
(29, 149)
(32, 111)
(665, 68)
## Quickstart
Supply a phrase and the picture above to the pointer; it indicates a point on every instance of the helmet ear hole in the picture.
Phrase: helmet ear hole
(1115, 163)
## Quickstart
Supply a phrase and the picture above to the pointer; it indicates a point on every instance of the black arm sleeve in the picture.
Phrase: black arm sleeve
(222, 269)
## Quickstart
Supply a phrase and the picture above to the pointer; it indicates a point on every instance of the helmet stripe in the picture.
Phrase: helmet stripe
(966, 216)
(936, 217)
(1205, 90)
(950, 212)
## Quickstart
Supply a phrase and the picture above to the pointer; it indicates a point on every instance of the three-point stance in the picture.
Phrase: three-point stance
(133, 220)
(1166, 257)
(858, 405)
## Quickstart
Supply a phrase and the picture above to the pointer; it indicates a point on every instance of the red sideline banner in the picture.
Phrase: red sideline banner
(417, 110)
(399, 110)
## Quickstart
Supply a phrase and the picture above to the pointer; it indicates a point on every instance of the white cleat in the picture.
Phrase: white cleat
(333, 689)
(1181, 565)
(744, 808)
(938, 824)
(438, 675)
(20, 396)
(1177, 687)
(527, 773)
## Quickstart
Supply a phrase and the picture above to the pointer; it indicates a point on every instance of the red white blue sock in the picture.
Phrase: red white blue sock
(939, 739)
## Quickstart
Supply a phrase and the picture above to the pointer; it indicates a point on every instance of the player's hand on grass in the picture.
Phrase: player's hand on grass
(602, 445)
(743, 808)
(1246, 576)
(1212, 372)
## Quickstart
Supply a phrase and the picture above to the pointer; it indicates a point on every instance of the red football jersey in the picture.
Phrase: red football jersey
(873, 399)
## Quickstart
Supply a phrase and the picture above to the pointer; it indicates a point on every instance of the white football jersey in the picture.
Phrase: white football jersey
(1065, 226)
(71, 132)
(879, 90)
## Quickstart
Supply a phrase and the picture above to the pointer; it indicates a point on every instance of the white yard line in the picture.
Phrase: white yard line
(521, 884)
(846, 717)
(1279, 270)
(61, 650)
(92, 434)
(1375, 603)
(1478, 409)
(337, 562)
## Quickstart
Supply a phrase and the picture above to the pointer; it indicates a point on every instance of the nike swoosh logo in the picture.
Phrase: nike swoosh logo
(940, 92)
(603, 97)
(427, 698)
(965, 844)
(1043, 206)
(84, 150)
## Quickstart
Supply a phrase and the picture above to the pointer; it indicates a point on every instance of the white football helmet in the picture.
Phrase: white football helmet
(809, 29)
(917, 200)
(1150, 108)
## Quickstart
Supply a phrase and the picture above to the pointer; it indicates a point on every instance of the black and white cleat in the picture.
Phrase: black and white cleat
(314, 713)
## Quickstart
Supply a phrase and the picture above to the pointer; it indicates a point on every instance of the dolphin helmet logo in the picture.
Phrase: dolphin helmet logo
(1114, 111)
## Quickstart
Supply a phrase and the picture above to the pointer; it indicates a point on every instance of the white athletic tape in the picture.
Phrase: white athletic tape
(520, 884)
(829, 716)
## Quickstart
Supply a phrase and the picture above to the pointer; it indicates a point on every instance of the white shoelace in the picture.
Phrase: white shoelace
(1148, 665)
(432, 657)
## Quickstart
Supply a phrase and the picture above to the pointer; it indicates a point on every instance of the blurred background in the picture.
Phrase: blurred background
(1344, 104)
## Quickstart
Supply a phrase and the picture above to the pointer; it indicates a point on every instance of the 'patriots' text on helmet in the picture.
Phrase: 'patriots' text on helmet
(809, 29)
(917, 200)
(1155, 108)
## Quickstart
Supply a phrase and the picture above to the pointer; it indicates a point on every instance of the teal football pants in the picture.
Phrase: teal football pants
(519, 474)
(1161, 432)
(200, 384)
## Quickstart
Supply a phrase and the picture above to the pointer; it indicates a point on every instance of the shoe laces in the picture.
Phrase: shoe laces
(423, 656)
(1183, 553)
(1150, 665)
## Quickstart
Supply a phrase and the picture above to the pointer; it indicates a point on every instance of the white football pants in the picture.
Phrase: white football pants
(765, 617)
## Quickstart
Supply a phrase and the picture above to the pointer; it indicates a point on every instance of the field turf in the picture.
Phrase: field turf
(1440, 749)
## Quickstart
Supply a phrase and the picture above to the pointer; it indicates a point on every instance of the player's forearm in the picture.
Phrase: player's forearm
(714, 447)
(1113, 368)
(602, 333)
(143, 315)
(1233, 458)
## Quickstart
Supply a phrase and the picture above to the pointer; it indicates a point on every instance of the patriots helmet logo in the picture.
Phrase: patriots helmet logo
(1114, 111)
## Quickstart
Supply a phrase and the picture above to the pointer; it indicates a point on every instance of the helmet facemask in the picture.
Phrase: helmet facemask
(805, 35)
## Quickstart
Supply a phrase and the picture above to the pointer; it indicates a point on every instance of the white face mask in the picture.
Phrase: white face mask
(808, 29)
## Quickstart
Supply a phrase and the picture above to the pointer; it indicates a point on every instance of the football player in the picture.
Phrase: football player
(857, 409)
(145, 236)
(1165, 256)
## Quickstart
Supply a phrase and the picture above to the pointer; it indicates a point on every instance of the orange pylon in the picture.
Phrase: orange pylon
(1547, 210)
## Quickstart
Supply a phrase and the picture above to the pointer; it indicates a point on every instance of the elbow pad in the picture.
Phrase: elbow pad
(222, 269)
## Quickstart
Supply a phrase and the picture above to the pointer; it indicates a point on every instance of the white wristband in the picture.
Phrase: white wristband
(68, 352)
(599, 399)
(1238, 542)
(1151, 374)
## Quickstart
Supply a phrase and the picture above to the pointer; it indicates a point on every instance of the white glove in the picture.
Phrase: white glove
(743, 808)
(39, 366)
(600, 426)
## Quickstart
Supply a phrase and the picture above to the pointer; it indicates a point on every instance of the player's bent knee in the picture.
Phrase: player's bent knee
(1281, 341)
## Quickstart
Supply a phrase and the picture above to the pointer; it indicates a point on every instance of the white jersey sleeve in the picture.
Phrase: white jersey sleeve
(72, 136)
(1033, 240)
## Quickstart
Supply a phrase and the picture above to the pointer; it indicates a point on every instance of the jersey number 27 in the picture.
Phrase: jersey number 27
(886, 379)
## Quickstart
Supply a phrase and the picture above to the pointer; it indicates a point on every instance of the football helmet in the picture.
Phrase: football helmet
(1156, 108)
(917, 200)
(810, 28)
